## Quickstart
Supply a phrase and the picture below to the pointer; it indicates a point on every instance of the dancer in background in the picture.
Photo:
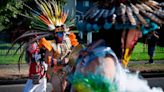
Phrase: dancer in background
(129, 40)
(37, 81)
(152, 39)
(57, 52)
(110, 18)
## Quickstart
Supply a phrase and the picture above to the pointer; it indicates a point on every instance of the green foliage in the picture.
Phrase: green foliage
(8, 11)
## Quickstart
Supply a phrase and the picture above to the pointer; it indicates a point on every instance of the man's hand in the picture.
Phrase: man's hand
(155, 35)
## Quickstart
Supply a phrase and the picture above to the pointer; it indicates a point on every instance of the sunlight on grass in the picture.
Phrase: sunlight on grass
(10, 59)
(138, 54)
(142, 54)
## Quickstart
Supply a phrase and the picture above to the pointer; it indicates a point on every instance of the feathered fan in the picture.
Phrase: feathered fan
(129, 16)
(123, 14)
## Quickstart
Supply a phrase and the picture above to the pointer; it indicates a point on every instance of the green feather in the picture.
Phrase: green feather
(93, 83)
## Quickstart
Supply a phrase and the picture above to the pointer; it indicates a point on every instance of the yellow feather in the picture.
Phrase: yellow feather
(42, 6)
(50, 8)
(64, 16)
(54, 7)
(57, 12)
(53, 11)
(45, 8)
(54, 20)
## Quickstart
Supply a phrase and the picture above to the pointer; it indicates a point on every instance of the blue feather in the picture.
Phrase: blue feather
(96, 28)
(88, 27)
(107, 25)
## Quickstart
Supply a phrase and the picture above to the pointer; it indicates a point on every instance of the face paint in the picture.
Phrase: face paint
(59, 36)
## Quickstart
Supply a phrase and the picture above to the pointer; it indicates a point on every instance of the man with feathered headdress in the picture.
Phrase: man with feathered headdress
(50, 20)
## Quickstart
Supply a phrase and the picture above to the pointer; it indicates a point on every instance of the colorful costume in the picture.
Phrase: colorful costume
(37, 81)
(129, 40)
(93, 62)
(55, 55)
(93, 72)
(50, 25)
(51, 20)
(109, 18)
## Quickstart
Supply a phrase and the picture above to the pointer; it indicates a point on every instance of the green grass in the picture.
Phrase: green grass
(10, 58)
(137, 55)
(140, 54)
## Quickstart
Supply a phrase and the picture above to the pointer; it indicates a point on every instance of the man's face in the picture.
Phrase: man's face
(59, 36)
(59, 33)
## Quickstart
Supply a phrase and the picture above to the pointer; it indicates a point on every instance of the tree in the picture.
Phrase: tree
(8, 12)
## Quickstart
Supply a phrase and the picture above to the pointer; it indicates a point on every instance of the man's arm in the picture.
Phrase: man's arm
(156, 35)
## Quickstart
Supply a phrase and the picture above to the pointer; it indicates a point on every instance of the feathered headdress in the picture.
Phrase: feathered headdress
(123, 14)
(49, 15)
(47, 18)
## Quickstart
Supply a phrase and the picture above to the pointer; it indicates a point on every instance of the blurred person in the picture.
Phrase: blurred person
(152, 40)
(37, 81)
(129, 40)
